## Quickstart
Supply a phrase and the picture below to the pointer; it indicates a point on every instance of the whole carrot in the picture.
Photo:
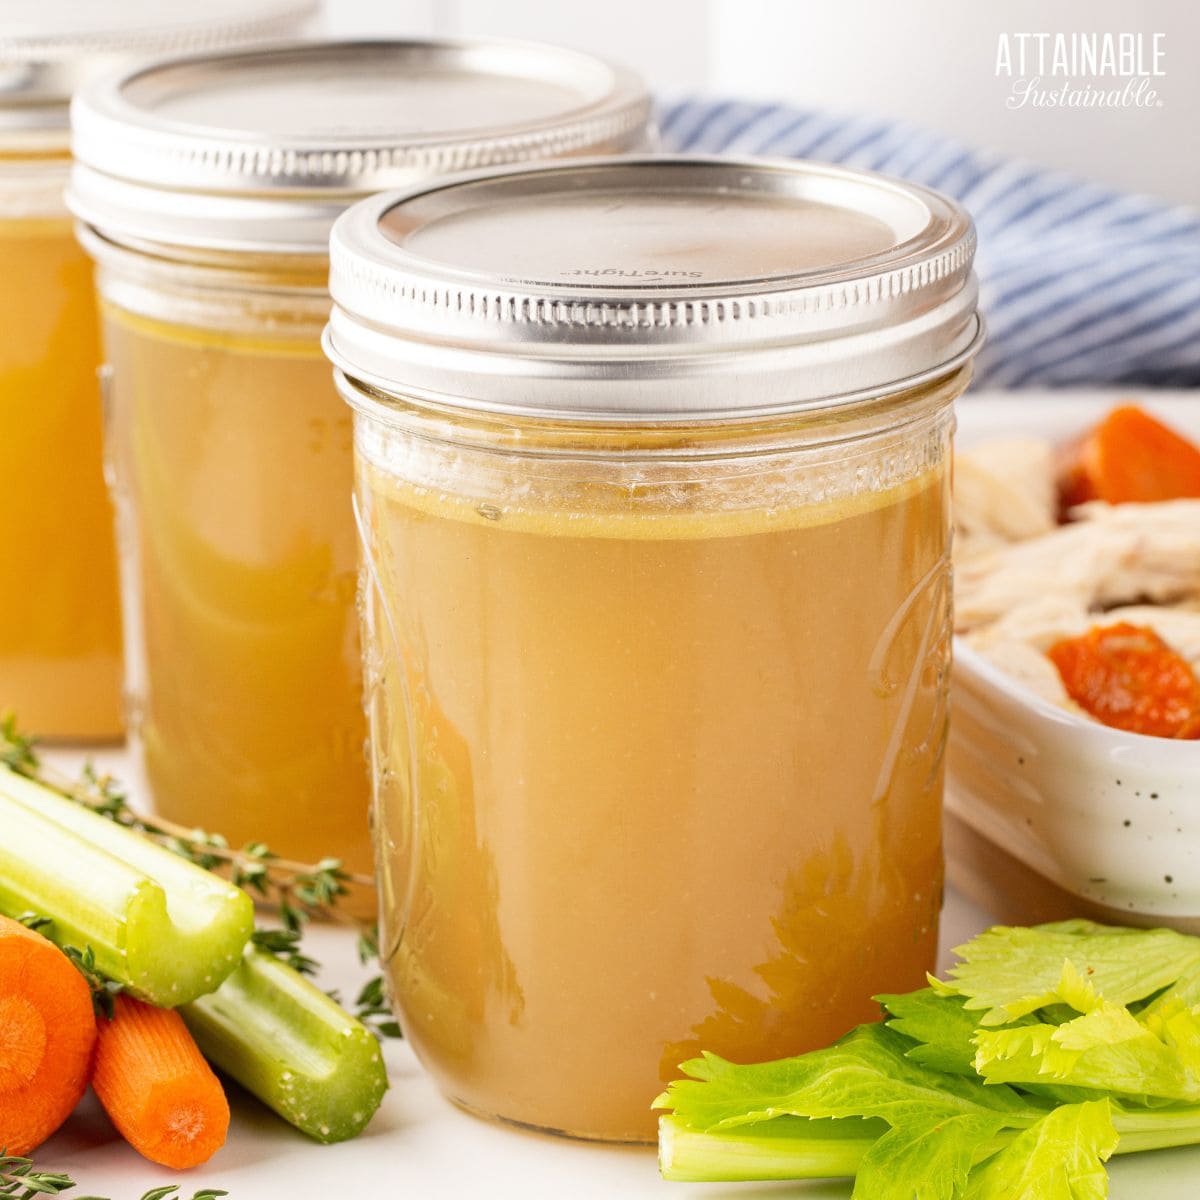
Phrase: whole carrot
(156, 1087)
(47, 1033)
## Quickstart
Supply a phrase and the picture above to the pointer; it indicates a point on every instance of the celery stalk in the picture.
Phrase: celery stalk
(799, 1148)
(782, 1148)
(287, 1042)
(166, 929)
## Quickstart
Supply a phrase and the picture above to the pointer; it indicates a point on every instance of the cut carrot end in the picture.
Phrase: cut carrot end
(47, 1034)
(1127, 677)
(22, 1042)
(1130, 457)
(156, 1087)
(191, 1124)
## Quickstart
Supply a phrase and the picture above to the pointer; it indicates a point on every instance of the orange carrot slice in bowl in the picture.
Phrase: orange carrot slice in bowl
(47, 1034)
(156, 1087)
(1127, 677)
(1130, 457)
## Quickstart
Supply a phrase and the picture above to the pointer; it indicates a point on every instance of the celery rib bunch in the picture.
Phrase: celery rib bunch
(176, 935)
(1046, 1051)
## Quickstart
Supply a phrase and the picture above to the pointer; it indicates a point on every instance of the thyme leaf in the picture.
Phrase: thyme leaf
(103, 988)
(18, 1178)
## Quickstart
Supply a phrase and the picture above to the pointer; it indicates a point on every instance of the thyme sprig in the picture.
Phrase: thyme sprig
(171, 1192)
(373, 1010)
(103, 988)
(20, 1179)
(299, 892)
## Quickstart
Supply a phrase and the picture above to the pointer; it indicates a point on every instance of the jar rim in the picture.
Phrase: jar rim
(389, 404)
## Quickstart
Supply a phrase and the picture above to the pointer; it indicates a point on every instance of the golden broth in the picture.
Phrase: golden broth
(235, 479)
(60, 635)
(650, 782)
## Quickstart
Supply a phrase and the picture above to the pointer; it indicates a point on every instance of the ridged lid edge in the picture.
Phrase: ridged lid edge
(191, 37)
(723, 349)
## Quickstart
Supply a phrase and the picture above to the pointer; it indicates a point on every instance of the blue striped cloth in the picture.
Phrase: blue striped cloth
(1080, 284)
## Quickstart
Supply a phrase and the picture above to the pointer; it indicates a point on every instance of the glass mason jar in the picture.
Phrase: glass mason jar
(60, 627)
(206, 189)
(60, 635)
(652, 482)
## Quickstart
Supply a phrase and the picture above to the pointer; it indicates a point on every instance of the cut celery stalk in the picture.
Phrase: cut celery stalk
(789, 1147)
(166, 929)
(782, 1148)
(287, 1042)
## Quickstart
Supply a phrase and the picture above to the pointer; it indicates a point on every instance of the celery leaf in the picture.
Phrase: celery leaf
(1060, 1158)
(926, 1158)
(866, 1074)
(1010, 972)
(940, 1025)
(1151, 1058)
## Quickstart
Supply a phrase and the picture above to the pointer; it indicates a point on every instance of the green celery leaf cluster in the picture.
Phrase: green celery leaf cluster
(1047, 1050)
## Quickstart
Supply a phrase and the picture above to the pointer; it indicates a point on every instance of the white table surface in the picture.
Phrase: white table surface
(419, 1147)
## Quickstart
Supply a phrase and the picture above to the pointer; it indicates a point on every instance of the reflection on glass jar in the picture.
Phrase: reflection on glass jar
(657, 613)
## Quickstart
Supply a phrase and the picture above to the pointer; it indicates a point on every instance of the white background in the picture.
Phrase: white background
(929, 61)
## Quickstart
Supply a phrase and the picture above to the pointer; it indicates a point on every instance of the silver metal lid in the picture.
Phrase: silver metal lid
(653, 289)
(261, 151)
(48, 48)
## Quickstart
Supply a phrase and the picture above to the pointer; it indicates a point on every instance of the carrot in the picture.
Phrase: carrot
(47, 1033)
(1130, 457)
(1126, 676)
(156, 1087)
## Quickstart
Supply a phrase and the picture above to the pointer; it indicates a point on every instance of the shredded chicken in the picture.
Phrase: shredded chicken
(1003, 492)
(1113, 555)
(1022, 582)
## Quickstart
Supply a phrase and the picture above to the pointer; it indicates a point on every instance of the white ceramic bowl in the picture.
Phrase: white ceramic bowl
(1050, 815)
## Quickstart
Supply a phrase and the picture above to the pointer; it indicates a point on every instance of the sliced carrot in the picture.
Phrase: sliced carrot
(1126, 676)
(1130, 457)
(47, 1034)
(156, 1087)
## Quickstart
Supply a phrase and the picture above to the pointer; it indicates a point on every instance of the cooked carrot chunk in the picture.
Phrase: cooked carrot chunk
(1130, 457)
(155, 1085)
(1126, 676)
(47, 1032)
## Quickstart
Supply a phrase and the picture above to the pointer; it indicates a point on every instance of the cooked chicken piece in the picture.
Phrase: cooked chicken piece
(1028, 666)
(1038, 622)
(1112, 555)
(1004, 491)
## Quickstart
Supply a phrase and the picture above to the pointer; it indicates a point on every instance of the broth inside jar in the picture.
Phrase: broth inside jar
(60, 634)
(649, 781)
(233, 483)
